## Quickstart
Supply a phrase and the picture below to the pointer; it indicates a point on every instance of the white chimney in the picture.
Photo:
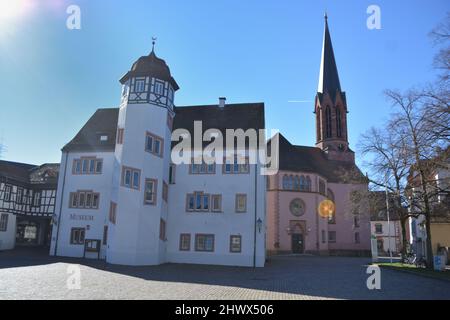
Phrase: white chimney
(222, 102)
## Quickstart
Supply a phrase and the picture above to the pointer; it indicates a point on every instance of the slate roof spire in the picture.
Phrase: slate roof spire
(328, 77)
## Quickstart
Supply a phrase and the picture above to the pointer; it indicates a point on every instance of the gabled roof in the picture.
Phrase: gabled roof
(25, 173)
(328, 76)
(102, 122)
(16, 170)
(232, 116)
(314, 160)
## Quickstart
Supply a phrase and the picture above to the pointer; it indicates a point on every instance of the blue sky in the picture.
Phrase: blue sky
(53, 78)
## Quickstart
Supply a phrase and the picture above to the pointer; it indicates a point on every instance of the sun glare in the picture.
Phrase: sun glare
(11, 10)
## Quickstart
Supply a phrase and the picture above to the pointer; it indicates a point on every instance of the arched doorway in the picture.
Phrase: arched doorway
(297, 237)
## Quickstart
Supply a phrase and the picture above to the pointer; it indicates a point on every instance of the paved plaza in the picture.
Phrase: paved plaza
(25, 275)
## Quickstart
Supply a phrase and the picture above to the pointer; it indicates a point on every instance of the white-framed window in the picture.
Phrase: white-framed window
(77, 236)
(235, 166)
(120, 132)
(4, 222)
(216, 202)
(165, 191)
(112, 212)
(87, 165)
(84, 199)
(159, 87)
(378, 228)
(235, 243)
(203, 168)
(197, 201)
(204, 242)
(171, 94)
(172, 170)
(131, 178)
(139, 85)
(154, 144)
(37, 199)
(125, 89)
(150, 191)
(19, 195)
(185, 242)
(7, 195)
(241, 202)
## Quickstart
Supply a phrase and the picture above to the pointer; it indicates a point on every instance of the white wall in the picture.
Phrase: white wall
(100, 183)
(222, 224)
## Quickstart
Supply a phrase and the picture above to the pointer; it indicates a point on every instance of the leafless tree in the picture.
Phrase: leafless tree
(425, 148)
(385, 153)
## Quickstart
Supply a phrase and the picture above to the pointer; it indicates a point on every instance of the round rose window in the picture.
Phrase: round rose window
(297, 207)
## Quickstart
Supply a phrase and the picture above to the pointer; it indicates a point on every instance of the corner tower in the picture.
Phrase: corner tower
(331, 106)
(139, 208)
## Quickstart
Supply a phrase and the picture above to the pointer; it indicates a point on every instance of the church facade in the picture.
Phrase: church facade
(309, 207)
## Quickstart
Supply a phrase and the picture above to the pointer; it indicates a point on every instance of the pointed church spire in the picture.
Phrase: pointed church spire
(328, 77)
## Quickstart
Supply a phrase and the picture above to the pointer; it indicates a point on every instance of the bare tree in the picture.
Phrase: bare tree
(423, 150)
(440, 36)
(385, 152)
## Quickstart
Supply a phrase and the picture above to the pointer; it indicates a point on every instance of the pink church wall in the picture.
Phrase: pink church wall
(279, 218)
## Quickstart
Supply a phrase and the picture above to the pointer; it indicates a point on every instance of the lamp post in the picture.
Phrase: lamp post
(259, 224)
(388, 220)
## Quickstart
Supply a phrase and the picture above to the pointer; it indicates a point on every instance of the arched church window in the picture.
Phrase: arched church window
(338, 122)
(291, 182)
(285, 181)
(328, 122)
(308, 183)
(302, 183)
(296, 183)
(330, 195)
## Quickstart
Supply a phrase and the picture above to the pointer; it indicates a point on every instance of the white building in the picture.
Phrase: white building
(439, 200)
(387, 230)
(120, 198)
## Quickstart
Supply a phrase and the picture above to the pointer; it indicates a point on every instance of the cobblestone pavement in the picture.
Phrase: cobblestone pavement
(36, 276)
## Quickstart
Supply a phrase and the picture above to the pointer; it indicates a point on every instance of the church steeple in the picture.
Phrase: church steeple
(331, 106)
(328, 76)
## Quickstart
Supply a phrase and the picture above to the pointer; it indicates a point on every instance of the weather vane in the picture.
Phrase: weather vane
(153, 43)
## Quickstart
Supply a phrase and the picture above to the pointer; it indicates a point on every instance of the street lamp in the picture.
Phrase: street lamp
(259, 224)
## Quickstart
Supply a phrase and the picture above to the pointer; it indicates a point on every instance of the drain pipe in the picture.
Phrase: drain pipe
(256, 216)
(61, 203)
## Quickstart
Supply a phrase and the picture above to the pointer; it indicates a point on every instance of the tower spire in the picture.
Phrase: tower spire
(328, 76)
(153, 43)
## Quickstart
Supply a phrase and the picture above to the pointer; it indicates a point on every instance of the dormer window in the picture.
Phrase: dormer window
(139, 85)
(159, 87)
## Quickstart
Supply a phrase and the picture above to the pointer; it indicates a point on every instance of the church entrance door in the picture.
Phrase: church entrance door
(297, 243)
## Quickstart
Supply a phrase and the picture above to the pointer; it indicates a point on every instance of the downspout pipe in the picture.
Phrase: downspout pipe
(61, 204)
